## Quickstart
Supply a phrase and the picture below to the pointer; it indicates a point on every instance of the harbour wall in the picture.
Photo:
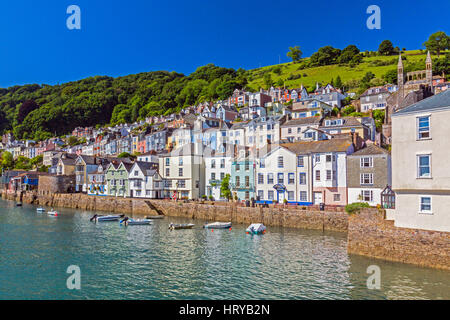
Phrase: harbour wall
(369, 233)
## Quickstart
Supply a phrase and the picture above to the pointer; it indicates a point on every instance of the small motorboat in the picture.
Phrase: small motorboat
(256, 228)
(173, 226)
(40, 210)
(154, 217)
(135, 222)
(100, 218)
(218, 225)
(53, 213)
(18, 204)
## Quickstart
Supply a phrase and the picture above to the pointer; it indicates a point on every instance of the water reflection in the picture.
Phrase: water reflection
(151, 262)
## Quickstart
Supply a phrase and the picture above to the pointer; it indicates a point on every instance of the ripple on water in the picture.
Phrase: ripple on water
(151, 262)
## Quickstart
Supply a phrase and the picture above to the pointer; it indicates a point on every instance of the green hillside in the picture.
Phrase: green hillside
(350, 76)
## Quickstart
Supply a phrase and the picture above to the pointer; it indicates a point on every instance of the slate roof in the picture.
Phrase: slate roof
(370, 150)
(436, 102)
(324, 146)
(302, 122)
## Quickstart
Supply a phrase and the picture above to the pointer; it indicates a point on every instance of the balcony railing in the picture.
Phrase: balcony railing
(215, 181)
(245, 187)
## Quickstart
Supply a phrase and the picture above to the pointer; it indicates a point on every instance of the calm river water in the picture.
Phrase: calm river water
(150, 262)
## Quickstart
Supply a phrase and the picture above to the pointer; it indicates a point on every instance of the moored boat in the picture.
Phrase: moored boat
(135, 222)
(40, 210)
(53, 213)
(256, 228)
(173, 226)
(18, 204)
(154, 217)
(100, 218)
(218, 225)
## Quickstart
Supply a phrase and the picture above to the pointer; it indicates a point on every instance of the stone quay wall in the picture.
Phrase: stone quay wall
(369, 234)
(274, 216)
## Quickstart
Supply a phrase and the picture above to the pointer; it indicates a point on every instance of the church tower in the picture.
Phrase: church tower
(429, 71)
(400, 77)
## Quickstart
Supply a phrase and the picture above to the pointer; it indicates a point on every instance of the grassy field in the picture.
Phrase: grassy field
(326, 73)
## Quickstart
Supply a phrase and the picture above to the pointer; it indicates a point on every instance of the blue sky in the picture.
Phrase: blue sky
(123, 37)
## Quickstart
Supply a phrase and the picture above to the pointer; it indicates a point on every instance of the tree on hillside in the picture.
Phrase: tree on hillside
(25, 109)
(348, 54)
(325, 56)
(438, 42)
(338, 82)
(295, 53)
(268, 82)
(386, 48)
(7, 160)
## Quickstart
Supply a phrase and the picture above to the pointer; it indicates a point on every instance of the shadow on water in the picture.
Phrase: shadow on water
(151, 262)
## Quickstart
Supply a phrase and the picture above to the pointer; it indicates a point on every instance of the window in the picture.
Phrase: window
(262, 163)
(260, 178)
(247, 166)
(167, 172)
(317, 175)
(247, 181)
(213, 176)
(317, 158)
(289, 131)
(222, 163)
(366, 178)
(302, 179)
(222, 175)
(180, 161)
(303, 196)
(261, 194)
(329, 175)
(182, 184)
(290, 195)
(336, 197)
(270, 178)
(238, 181)
(281, 178)
(424, 166)
(280, 162)
(366, 162)
(329, 158)
(180, 172)
(425, 204)
(167, 161)
(213, 164)
(238, 167)
(270, 195)
(291, 178)
(367, 195)
(300, 161)
(423, 127)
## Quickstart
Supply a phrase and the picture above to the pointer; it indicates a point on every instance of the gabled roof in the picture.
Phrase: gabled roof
(433, 103)
(302, 122)
(370, 150)
(323, 146)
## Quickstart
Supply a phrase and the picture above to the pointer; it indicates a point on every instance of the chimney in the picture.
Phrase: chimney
(355, 136)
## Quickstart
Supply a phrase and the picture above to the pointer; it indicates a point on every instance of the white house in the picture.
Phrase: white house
(145, 181)
(421, 164)
(217, 166)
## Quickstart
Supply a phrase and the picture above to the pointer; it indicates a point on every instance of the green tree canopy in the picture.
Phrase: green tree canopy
(438, 42)
(295, 53)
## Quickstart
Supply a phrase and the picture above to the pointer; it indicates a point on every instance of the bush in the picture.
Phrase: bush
(356, 207)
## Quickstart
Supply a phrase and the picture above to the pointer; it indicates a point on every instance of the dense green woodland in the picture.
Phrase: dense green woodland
(42, 111)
